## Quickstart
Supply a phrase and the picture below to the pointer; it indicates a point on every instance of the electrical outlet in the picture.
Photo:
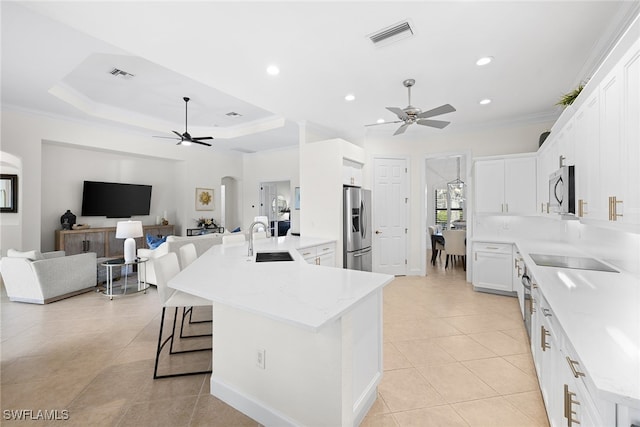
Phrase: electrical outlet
(260, 358)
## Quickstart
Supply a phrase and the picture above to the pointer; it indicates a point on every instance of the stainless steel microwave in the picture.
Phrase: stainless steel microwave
(562, 198)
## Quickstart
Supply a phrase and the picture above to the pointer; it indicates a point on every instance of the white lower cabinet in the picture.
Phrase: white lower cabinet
(492, 266)
(627, 417)
(320, 255)
(564, 383)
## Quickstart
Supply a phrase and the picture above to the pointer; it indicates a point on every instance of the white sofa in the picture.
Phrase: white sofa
(41, 278)
(173, 244)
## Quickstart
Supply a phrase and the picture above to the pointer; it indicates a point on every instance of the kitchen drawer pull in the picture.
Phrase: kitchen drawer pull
(543, 338)
(547, 312)
(306, 253)
(494, 248)
(572, 365)
(326, 249)
(568, 406)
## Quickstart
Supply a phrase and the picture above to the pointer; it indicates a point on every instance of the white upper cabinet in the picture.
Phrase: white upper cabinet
(602, 139)
(506, 185)
(351, 173)
(548, 162)
(587, 171)
(630, 134)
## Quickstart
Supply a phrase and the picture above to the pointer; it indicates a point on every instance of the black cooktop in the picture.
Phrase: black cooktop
(580, 263)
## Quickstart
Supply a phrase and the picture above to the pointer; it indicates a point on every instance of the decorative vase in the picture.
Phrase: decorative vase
(67, 220)
(543, 138)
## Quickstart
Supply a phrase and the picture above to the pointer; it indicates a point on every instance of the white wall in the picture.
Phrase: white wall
(506, 140)
(62, 186)
(269, 166)
(11, 222)
(23, 135)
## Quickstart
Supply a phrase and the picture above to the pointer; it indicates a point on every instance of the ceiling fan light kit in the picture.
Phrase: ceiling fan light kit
(185, 138)
(410, 114)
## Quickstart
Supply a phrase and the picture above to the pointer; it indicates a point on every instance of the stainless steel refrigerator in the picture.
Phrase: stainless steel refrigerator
(357, 229)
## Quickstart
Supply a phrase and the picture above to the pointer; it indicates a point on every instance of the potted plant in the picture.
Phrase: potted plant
(568, 98)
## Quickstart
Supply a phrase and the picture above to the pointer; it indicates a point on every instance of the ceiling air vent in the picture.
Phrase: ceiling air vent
(120, 73)
(233, 114)
(391, 34)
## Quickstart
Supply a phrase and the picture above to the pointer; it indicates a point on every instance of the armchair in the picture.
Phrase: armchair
(41, 278)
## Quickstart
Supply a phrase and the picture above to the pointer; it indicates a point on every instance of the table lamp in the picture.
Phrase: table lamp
(128, 230)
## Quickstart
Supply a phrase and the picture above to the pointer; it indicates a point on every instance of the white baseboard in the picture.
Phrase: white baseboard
(265, 415)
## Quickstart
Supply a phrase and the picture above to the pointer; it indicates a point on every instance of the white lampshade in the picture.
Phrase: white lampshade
(128, 230)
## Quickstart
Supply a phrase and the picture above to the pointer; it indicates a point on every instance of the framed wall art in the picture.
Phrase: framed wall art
(8, 193)
(204, 199)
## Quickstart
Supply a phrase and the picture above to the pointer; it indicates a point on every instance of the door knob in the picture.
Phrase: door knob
(378, 232)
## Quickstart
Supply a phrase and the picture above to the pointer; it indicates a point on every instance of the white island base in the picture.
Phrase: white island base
(319, 329)
(327, 377)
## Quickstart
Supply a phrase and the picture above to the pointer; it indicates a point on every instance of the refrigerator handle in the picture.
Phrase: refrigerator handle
(362, 253)
(363, 219)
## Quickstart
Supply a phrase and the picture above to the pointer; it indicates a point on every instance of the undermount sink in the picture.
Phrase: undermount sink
(273, 256)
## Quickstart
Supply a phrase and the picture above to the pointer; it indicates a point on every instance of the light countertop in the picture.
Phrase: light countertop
(600, 314)
(306, 295)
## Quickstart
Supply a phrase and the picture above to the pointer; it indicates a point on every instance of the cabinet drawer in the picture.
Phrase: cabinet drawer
(502, 248)
(308, 252)
(325, 249)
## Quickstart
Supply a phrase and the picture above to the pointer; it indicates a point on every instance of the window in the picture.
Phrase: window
(449, 206)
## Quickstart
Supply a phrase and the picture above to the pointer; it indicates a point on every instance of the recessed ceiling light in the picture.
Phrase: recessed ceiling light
(485, 101)
(484, 60)
(273, 70)
(380, 121)
(350, 97)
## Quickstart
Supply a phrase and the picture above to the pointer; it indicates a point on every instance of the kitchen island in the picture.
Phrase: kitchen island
(293, 343)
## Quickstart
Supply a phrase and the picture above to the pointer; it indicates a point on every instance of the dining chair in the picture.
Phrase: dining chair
(188, 254)
(167, 267)
(455, 244)
(436, 244)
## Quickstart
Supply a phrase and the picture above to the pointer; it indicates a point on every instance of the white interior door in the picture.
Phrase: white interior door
(390, 216)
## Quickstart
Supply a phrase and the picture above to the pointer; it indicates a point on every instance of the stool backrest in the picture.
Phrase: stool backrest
(188, 254)
(166, 267)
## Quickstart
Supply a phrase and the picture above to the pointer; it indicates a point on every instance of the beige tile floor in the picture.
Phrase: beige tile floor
(452, 357)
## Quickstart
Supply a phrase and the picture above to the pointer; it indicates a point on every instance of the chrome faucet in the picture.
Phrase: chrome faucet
(253, 224)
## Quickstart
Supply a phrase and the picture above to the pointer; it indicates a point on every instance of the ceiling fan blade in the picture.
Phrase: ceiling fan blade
(385, 123)
(443, 109)
(401, 129)
(195, 141)
(177, 133)
(440, 124)
(166, 137)
(200, 138)
(398, 112)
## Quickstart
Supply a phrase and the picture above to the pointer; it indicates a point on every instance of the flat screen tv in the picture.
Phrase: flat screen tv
(115, 200)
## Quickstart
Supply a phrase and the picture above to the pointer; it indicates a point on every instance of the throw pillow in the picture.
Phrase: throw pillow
(153, 241)
(30, 255)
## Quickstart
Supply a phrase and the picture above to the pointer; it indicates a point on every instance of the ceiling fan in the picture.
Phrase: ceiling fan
(185, 138)
(410, 114)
